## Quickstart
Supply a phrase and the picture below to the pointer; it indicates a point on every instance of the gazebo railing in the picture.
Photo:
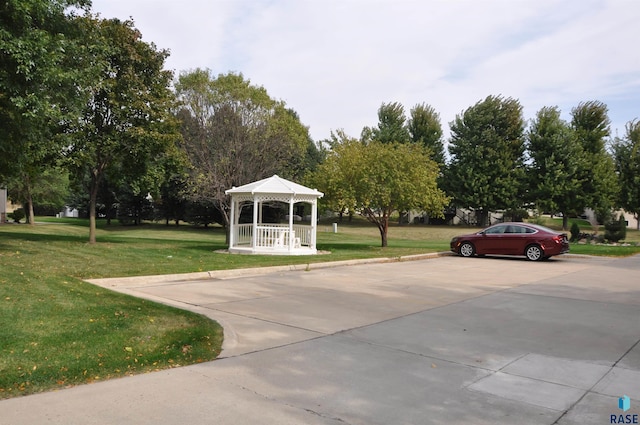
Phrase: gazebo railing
(303, 233)
(243, 234)
(272, 235)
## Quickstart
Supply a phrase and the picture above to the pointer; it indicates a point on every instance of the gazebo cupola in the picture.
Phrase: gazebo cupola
(289, 234)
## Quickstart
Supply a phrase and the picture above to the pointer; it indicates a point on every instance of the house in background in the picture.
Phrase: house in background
(632, 222)
(3, 205)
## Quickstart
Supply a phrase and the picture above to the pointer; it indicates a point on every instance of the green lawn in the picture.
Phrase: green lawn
(57, 330)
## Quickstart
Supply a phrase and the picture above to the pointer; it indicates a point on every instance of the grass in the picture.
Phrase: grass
(59, 331)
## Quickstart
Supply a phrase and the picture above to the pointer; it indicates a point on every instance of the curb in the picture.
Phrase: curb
(135, 281)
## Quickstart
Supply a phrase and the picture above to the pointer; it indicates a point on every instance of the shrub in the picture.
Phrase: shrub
(575, 232)
(17, 215)
(615, 230)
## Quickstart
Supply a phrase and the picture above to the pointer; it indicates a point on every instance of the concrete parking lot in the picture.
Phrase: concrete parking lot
(446, 340)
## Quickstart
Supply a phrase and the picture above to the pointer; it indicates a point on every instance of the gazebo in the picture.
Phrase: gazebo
(269, 232)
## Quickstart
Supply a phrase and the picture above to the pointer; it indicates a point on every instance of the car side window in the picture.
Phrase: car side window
(519, 229)
(528, 230)
(496, 230)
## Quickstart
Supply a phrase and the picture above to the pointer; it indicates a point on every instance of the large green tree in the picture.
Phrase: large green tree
(235, 133)
(555, 160)
(590, 122)
(127, 121)
(627, 159)
(391, 126)
(425, 128)
(41, 72)
(486, 171)
(377, 179)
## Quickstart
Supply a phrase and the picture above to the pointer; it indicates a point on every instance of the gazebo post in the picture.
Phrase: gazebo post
(232, 223)
(314, 220)
(254, 236)
(291, 223)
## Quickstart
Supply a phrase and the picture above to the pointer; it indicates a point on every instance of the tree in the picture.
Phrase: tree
(590, 122)
(235, 133)
(391, 125)
(39, 91)
(425, 129)
(626, 153)
(127, 122)
(487, 157)
(171, 202)
(377, 179)
(555, 159)
(335, 174)
(48, 191)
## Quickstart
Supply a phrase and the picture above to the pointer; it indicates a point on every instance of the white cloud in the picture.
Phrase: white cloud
(336, 61)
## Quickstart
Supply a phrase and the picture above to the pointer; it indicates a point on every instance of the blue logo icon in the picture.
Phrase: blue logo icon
(624, 403)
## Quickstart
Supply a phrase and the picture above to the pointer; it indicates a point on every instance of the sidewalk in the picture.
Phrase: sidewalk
(446, 340)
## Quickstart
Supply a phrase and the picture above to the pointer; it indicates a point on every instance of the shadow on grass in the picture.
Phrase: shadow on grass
(115, 225)
(212, 247)
(350, 245)
(47, 237)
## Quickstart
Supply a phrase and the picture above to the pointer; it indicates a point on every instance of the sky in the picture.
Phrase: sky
(336, 61)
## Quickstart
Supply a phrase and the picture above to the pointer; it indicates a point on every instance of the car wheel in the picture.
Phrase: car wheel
(534, 253)
(467, 249)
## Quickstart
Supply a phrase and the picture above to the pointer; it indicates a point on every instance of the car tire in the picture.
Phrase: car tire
(467, 249)
(534, 253)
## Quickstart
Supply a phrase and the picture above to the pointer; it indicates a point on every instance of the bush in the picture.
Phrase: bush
(615, 230)
(575, 232)
(17, 215)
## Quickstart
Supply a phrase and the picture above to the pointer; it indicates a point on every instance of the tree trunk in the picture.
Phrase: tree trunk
(565, 221)
(383, 236)
(93, 198)
(30, 215)
(226, 225)
(483, 216)
(383, 226)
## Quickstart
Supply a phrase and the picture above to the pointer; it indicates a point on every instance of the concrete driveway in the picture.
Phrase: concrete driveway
(442, 341)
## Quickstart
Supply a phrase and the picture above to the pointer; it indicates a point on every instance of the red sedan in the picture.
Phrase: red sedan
(531, 240)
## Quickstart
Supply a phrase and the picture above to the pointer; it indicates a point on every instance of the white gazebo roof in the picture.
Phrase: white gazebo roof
(275, 188)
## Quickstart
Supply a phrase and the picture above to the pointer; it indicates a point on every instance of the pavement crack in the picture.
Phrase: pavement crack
(292, 406)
